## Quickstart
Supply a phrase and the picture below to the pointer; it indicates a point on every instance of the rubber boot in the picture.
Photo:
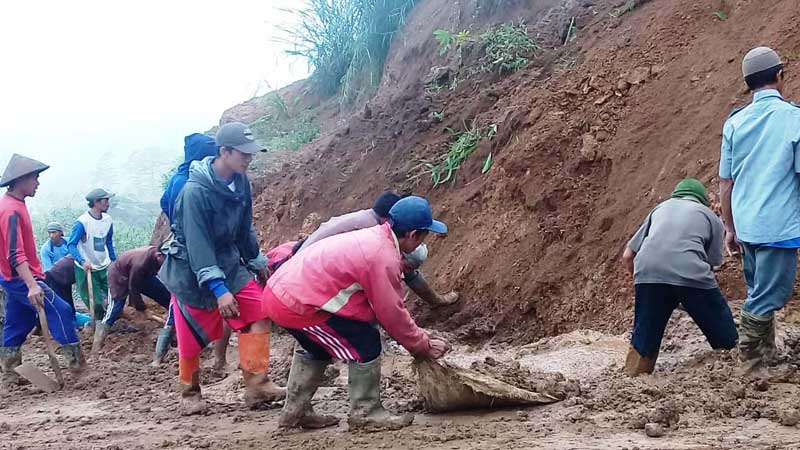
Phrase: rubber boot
(636, 364)
(421, 287)
(11, 357)
(366, 410)
(254, 363)
(756, 340)
(100, 333)
(76, 362)
(305, 377)
(163, 342)
(191, 397)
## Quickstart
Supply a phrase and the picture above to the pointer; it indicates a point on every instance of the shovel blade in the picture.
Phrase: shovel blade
(37, 377)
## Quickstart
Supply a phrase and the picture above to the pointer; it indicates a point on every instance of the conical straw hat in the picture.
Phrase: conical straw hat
(19, 166)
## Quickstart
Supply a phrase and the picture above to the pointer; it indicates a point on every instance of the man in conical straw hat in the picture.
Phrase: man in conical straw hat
(23, 277)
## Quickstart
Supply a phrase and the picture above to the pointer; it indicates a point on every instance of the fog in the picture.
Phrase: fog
(103, 90)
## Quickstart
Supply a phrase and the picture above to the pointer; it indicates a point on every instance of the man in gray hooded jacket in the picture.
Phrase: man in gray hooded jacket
(211, 269)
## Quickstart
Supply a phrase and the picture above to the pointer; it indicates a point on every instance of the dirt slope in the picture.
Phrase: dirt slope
(579, 158)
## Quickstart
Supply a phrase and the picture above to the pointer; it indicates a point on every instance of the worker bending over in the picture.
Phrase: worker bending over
(378, 215)
(672, 257)
(130, 276)
(330, 296)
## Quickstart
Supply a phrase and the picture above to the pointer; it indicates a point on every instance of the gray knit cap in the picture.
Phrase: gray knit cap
(759, 59)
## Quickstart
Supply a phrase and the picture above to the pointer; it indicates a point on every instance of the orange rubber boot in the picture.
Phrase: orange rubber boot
(191, 398)
(254, 362)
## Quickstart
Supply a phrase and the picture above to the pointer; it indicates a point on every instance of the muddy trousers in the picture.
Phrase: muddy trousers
(22, 318)
(151, 287)
(340, 338)
(99, 289)
(769, 273)
(655, 304)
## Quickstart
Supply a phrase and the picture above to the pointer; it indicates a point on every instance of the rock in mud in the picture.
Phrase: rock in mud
(667, 414)
(654, 430)
(638, 423)
(639, 75)
(736, 390)
(789, 417)
(589, 149)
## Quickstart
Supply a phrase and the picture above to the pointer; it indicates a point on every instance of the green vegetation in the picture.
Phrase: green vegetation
(487, 164)
(448, 40)
(346, 41)
(279, 104)
(445, 168)
(720, 15)
(284, 133)
(126, 236)
(629, 6)
(508, 47)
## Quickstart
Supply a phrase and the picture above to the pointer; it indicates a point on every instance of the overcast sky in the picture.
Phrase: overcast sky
(80, 77)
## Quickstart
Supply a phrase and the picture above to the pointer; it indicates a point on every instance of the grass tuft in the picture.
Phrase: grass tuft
(508, 47)
(284, 133)
(345, 42)
(445, 168)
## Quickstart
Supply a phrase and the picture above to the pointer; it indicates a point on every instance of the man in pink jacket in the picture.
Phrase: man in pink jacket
(330, 296)
(366, 218)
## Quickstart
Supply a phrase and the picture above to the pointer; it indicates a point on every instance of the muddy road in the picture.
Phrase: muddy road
(695, 398)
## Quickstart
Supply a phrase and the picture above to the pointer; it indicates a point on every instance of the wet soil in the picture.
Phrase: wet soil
(695, 396)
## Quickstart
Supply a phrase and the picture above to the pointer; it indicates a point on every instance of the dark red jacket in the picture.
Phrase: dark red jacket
(63, 271)
(127, 273)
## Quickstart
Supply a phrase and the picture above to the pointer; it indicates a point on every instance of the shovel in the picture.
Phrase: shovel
(32, 373)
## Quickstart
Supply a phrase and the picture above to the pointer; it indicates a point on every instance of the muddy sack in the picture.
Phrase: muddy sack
(446, 387)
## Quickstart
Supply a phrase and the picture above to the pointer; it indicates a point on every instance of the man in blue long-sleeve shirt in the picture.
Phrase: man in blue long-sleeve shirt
(55, 248)
(92, 245)
(759, 183)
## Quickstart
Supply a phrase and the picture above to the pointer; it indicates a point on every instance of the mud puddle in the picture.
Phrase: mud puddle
(694, 396)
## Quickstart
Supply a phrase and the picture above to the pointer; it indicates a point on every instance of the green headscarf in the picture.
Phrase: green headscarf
(689, 187)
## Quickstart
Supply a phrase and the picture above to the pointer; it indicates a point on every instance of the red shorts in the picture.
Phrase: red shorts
(196, 327)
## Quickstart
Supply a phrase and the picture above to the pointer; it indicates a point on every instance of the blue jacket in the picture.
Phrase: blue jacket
(51, 253)
(196, 147)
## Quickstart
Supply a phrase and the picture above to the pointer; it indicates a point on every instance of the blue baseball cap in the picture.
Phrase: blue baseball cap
(414, 213)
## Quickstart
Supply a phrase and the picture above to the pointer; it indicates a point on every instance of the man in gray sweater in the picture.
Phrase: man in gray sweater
(366, 218)
(672, 257)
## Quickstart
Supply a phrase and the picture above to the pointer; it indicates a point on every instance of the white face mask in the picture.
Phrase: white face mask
(418, 256)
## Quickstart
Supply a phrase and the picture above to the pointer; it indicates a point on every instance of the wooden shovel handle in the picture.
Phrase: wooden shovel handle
(48, 341)
(90, 288)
